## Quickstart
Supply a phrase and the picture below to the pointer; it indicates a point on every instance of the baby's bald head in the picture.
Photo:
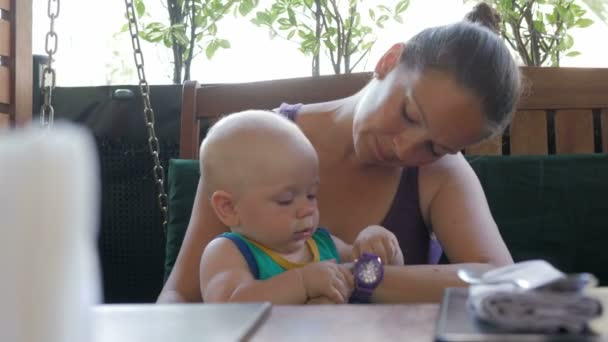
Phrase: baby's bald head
(243, 147)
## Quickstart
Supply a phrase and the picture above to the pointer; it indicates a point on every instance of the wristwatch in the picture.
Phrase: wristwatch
(368, 273)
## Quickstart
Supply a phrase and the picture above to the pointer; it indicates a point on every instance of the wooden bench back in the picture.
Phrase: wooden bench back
(15, 62)
(562, 110)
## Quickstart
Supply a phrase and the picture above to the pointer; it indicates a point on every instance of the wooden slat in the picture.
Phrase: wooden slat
(214, 100)
(604, 118)
(574, 131)
(5, 38)
(190, 126)
(6, 4)
(4, 121)
(528, 133)
(23, 77)
(545, 88)
(488, 147)
(564, 88)
(5, 85)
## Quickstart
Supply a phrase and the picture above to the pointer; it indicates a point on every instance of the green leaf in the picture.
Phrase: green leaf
(398, 19)
(367, 46)
(372, 14)
(573, 53)
(292, 16)
(245, 7)
(539, 26)
(212, 29)
(211, 49)
(167, 41)
(384, 8)
(155, 26)
(140, 7)
(383, 18)
(223, 43)
(154, 36)
(402, 6)
(583, 22)
(181, 38)
(566, 43)
(291, 34)
(263, 18)
(329, 45)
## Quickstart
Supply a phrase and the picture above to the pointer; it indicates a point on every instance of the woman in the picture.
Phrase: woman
(389, 155)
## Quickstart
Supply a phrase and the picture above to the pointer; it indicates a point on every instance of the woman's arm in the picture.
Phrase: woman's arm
(183, 282)
(454, 205)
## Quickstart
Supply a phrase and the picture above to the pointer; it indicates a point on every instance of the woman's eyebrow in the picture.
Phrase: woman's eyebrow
(423, 115)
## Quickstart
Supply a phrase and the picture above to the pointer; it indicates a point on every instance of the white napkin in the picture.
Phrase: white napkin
(533, 296)
(49, 203)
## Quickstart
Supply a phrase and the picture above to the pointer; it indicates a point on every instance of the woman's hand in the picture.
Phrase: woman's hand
(381, 242)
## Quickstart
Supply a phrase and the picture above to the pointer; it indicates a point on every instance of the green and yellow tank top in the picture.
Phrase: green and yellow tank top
(265, 263)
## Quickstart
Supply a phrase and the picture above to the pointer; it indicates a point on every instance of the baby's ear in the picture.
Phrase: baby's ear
(224, 207)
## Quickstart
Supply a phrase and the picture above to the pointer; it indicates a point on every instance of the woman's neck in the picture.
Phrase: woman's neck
(336, 118)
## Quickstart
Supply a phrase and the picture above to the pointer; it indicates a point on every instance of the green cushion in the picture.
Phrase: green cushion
(183, 178)
(550, 207)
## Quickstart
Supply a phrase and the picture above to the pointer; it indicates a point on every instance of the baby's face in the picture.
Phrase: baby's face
(278, 206)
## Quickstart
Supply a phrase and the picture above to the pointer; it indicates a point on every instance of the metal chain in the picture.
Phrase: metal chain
(159, 173)
(48, 73)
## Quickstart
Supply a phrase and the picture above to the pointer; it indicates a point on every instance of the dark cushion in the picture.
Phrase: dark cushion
(549, 207)
(183, 178)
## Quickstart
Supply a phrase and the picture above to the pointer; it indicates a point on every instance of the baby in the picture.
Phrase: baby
(261, 176)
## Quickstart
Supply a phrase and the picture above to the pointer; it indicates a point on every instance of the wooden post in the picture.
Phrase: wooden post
(15, 62)
(23, 62)
(528, 134)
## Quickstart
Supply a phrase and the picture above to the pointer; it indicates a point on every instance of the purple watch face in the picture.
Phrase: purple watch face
(368, 271)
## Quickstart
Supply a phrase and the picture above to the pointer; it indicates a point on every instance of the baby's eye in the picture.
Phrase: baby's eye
(312, 196)
(284, 201)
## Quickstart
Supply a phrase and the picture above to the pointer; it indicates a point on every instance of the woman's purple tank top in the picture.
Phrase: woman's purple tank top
(403, 218)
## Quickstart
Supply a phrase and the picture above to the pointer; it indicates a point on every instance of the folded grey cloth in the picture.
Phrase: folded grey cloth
(539, 311)
(556, 306)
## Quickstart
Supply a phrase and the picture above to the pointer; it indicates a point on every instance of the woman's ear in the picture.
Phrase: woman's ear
(224, 207)
(389, 60)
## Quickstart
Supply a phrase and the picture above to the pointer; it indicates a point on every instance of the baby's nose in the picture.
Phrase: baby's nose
(306, 210)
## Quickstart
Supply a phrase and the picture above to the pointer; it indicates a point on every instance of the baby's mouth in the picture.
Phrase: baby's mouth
(303, 233)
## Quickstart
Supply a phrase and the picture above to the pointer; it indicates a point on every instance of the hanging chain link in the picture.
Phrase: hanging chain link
(47, 112)
(159, 173)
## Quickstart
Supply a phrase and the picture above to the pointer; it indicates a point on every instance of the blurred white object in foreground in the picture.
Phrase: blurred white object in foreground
(49, 208)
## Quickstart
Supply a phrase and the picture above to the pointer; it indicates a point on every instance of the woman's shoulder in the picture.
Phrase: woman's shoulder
(451, 169)
(448, 166)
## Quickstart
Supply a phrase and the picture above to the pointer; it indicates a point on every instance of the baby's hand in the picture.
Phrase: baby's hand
(327, 279)
(380, 241)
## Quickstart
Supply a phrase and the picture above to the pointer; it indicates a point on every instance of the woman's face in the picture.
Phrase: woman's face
(411, 120)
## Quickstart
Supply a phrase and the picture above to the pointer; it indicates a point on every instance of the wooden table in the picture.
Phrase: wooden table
(260, 322)
(351, 323)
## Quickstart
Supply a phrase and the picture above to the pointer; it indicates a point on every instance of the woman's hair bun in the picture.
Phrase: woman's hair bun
(485, 15)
